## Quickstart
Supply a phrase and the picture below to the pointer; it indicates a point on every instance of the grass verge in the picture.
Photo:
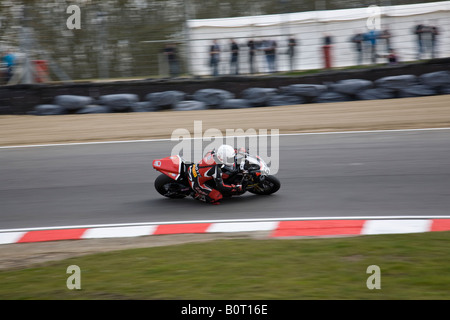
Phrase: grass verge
(413, 266)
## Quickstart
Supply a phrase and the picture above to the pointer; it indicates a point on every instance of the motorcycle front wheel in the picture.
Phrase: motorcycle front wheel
(170, 188)
(269, 185)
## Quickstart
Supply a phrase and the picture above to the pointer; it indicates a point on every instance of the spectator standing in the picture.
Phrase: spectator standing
(326, 48)
(358, 39)
(251, 55)
(9, 60)
(170, 51)
(419, 30)
(426, 40)
(371, 37)
(386, 36)
(434, 34)
(214, 58)
(234, 62)
(270, 50)
(291, 51)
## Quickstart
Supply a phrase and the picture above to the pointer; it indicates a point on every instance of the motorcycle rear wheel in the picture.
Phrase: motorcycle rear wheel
(170, 188)
(269, 185)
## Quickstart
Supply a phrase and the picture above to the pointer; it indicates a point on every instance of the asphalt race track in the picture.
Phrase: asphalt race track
(399, 173)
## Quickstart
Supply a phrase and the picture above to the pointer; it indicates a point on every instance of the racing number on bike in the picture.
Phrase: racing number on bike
(195, 171)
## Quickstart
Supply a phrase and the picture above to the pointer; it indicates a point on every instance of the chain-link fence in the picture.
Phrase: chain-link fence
(123, 39)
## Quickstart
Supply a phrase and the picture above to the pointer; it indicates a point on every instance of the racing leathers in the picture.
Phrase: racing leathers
(206, 179)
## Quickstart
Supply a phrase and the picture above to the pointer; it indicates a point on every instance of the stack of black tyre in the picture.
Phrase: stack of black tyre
(400, 86)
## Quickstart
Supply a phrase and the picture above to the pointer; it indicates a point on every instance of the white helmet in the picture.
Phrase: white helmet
(225, 155)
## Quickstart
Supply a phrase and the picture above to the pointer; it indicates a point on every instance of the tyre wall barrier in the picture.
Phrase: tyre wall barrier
(344, 90)
(409, 80)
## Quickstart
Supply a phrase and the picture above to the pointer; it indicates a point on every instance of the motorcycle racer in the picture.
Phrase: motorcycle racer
(206, 177)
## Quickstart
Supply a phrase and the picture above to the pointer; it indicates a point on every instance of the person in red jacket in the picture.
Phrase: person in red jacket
(206, 177)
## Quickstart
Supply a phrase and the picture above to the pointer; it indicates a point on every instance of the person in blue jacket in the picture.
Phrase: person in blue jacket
(8, 60)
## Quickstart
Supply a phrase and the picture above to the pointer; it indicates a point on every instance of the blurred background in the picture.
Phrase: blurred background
(130, 38)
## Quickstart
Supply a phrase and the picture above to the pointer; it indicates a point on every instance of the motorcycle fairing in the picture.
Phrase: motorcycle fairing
(170, 166)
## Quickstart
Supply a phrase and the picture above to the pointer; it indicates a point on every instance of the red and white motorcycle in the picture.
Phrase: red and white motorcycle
(252, 173)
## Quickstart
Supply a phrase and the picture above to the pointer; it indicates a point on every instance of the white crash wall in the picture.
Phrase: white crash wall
(309, 28)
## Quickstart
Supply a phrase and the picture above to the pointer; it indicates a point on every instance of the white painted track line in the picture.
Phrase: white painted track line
(194, 138)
